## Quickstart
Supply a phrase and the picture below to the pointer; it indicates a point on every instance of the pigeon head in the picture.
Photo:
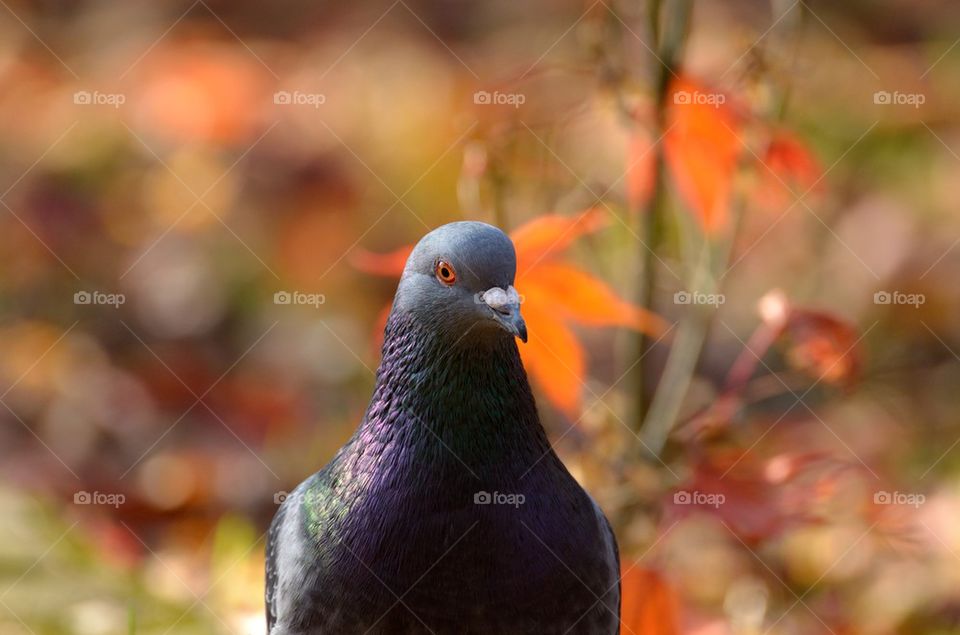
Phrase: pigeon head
(459, 278)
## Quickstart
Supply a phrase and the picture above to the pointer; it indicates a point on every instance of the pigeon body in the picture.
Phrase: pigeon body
(447, 511)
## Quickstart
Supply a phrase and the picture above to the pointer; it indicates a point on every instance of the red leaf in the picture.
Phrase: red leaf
(824, 346)
(754, 497)
(789, 170)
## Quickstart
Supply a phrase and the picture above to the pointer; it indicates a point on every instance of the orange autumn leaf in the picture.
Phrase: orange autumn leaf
(701, 148)
(552, 233)
(587, 300)
(555, 293)
(388, 264)
(554, 358)
(649, 605)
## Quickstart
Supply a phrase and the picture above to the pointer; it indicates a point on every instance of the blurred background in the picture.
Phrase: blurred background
(203, 208)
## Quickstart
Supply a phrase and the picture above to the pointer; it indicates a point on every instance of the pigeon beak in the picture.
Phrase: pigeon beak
(506, 310)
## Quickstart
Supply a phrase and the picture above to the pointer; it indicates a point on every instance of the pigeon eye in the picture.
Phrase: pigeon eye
(445, 272)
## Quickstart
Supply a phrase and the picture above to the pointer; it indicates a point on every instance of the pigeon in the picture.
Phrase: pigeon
(447, 512)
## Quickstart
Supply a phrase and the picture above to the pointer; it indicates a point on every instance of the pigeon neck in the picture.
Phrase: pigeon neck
(470, 389)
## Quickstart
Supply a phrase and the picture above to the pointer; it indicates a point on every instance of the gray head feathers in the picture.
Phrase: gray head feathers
(451, 274)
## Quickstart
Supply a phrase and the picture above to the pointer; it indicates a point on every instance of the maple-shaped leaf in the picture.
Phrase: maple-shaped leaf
(550, 234)
(556, 294)
(702, 147)
(584, 299)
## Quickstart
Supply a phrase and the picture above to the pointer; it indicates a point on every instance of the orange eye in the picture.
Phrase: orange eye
(445, 272)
